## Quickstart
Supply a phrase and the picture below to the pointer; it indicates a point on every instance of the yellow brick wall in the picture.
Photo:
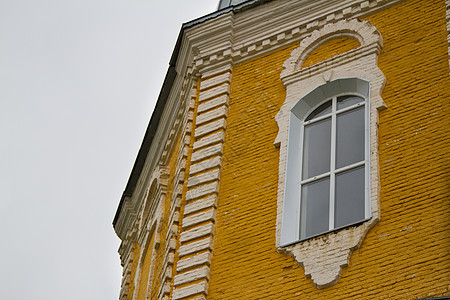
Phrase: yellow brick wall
(145, 270)
(330, 49)
(406, 255)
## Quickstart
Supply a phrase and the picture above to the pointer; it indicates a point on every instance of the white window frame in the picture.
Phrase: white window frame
(323, 257)
(290, 230)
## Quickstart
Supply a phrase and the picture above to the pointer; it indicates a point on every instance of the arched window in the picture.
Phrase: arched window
(332, 193)
(327, 178)
(328, 167)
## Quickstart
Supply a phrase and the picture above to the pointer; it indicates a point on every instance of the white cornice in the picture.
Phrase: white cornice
(273, 25)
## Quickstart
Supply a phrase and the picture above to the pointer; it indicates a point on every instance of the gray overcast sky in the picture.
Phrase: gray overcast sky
(78, 82)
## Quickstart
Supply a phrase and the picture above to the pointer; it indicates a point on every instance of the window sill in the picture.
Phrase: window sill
(335, 230)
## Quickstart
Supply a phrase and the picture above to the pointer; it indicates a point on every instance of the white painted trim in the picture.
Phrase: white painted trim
(195, 247)
(321, 264)
(198, 218)
(203, 183)
(194, 261)
(207, 105)
(190, 290)
(204, 190)
(193, 275)
(192, 207)
(209, 140)
(205, 165)
(199, 231)
(183, 151)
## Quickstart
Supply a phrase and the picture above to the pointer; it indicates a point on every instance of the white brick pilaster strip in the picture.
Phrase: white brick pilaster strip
(126, 276)
(171, 237)
(194, 261)
(190, 290)
(196, 238)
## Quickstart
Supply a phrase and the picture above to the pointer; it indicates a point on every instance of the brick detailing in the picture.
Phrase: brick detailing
(199, 231)
(196, 219)
(219, 101)
(210, 127)
(150, 230)
(190, 290)
(205, 165)
(203, 178)
(209, 140)
(213, 150)
(293, 27)
(195, 247)
(129, 272)
(210, 201)
(201, 191)
(174, 216)
(363, 32)
(194, 261)
(199, 215)
(193, 275)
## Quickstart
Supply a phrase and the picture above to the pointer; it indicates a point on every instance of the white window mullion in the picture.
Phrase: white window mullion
(368, 206)
(332, 164)
(315, 178)
(301, 222)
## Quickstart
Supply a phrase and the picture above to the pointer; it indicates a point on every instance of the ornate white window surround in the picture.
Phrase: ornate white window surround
(324, 256)
(319, 164)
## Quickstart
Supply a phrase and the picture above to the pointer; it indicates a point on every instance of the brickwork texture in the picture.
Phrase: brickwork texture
(406, 255)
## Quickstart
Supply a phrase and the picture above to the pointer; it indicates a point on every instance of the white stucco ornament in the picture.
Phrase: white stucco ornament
(323, 257)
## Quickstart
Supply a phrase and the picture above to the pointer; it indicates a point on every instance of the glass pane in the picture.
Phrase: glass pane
(322, 110)
(346, 101)
(350, 203)
(350, 137)
(316, 148)
(315, 207)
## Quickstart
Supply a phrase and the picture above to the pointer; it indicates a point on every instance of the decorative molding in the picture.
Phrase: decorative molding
(196, 238)
(125, 292)
(191, 290)
(174, 217)
(323, 257)
(195, 248)
(363, 32)
(290, 20)
(149, 224)
(145, 224)
(195, 261)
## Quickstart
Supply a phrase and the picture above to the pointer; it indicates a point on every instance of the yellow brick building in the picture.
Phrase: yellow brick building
(299, 150)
